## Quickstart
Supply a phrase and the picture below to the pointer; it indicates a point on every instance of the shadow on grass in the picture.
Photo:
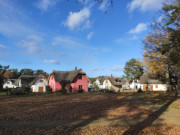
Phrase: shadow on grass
(86, 108)
(149, 120)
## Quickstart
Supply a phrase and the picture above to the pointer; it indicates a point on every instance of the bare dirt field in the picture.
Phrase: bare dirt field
(90, 113)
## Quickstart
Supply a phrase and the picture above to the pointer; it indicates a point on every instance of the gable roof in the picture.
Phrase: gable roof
(14, 81)
(38, 77)
(66, 75)
(115, 81)
(101, 79)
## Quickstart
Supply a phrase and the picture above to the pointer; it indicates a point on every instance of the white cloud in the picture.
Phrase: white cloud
(77, 19)
(139, 28)
(97, 69)
(159, 19)
(123, 40)
(144, 5)
(103, 5)
(57, 62)
(13, 21)
(119, 40)
(45, 4)
(32, 44)
(2, 46)
(116, 68)
(105, 49)
(89, 36)
(67, 42)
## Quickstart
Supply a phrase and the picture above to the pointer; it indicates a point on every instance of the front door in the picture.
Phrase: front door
(151, 87)
(40, 89)
(144, 87)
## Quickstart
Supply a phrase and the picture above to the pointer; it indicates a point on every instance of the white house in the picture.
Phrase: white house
(125, 85)
(134, 84)
(99, 82)
(113, 83)
(39, 84)
(107, 84)
(12, 83)
(154, 87)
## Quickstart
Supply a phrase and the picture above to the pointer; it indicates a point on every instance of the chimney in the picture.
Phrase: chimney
(75, 68)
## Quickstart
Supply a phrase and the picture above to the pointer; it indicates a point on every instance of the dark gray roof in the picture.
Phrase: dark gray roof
(14, 81)
(26, 79)
(66, 75)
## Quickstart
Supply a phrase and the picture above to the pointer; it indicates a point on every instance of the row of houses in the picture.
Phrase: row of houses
(77, 79)
(108, 82)
(117, 84)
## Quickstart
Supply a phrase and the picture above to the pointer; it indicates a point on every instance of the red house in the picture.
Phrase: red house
(77, 78)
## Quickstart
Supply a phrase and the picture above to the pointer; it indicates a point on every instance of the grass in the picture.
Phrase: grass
(85, 106)
(3, 93)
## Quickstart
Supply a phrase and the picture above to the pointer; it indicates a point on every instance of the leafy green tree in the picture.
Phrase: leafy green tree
(92, 80)
(2, 71)
(172, 25)
(162, 44)
(1, 81)
(27, 71)
(8, 74)
(15, 72)
(133, 69)
(95, 86)
(39, 71)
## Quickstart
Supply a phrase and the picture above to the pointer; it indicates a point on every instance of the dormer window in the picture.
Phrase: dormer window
(80, 77)
(41, 81)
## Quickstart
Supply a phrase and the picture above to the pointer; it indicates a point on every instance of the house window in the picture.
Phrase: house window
(80, 87)
(80, 77)
(41, 81)
(156, 86)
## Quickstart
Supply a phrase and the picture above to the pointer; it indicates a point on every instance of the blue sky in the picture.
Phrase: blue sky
(61, 34)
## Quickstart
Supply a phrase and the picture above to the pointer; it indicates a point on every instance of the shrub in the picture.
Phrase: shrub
(26, 88)
(80, 91)
(19, 91)
(139, 90)
(48, 90)
(63, 91)
(70, 88)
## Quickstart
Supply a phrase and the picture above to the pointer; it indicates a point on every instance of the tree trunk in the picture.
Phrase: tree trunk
(178, 84)
(169, 79)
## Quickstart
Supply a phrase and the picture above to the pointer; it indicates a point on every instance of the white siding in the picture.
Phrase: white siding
(134, 84)
(9, 84)
(107, 84)
(161, 87)
(37, 84)
(97, 82)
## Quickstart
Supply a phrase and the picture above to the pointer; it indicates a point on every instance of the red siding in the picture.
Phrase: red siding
(75, 84)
